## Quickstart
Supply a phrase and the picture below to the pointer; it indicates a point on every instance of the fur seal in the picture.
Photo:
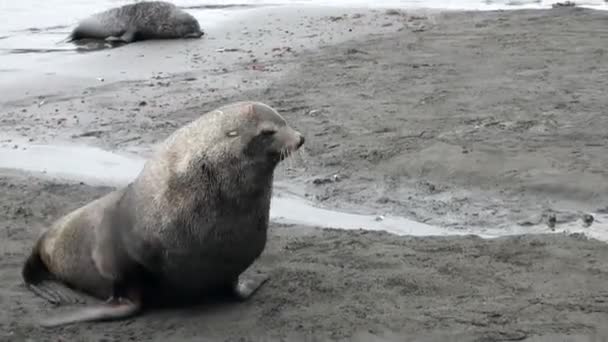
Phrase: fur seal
(138, 21)
(192, 221)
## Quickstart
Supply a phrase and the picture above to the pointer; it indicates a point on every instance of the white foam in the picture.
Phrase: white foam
(100, 167)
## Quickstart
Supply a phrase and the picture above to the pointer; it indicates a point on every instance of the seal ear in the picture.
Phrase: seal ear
(248, 110)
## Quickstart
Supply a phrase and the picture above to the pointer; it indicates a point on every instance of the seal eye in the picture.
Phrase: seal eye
(268, 132)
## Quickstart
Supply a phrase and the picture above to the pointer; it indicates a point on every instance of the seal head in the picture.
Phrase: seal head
(185, 26)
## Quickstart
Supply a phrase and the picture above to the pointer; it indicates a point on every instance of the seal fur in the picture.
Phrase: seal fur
(139, 21)
(194, 219)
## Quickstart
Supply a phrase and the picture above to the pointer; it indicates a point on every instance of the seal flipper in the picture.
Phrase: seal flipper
(44, 293)
(243, 289)
(56, 293)
(37, 276)
(127, 37)
(125, 301)
(112, 310)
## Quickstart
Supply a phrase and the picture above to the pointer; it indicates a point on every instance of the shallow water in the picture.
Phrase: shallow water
(99, 167)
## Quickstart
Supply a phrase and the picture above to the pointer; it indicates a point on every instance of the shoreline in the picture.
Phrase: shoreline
(461, 120)
(47, 56)
(109, 114)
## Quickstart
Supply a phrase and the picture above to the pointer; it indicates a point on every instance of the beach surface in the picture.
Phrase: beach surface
(457, 123)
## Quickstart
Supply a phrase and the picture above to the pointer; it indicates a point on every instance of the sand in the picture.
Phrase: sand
(467, 120)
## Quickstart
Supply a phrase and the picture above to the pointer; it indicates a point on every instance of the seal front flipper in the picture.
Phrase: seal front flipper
(113, 39)
(126, 38)
(129, 36)
(244, 288)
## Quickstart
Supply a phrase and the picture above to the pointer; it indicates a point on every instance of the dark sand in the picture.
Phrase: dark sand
(456, 119)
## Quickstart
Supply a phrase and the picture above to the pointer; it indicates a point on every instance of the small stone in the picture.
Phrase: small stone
(143, 103)
(588, 220)
(392, 12)
(563, 4)
(551, 221)
(380, 218)
(319, 181)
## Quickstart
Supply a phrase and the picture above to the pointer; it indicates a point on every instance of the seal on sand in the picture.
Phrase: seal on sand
(193, 220)
(138, 21)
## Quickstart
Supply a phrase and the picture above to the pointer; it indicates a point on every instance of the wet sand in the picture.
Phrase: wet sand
(464, 120)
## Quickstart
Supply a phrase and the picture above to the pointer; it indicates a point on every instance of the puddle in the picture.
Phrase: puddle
(82, 163)
(96, 166)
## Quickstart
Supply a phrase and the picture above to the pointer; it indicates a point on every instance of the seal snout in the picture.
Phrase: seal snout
(290, 143)
(195, 34)
(301, 142)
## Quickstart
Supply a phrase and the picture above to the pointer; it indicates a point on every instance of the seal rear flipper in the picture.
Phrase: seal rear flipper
(42, 283)
(99, 312)
(56, 293)
(35, 274)
(44, 294)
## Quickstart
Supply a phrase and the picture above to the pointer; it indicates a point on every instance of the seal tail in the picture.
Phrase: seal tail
(102, 312)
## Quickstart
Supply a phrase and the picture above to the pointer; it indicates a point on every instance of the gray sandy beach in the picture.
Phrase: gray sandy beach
(469, 121)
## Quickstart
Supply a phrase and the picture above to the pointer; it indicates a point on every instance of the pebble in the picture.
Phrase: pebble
(588, 220)
(551, 221)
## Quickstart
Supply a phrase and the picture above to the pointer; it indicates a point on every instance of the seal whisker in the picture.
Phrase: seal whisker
(301, 157)
(291, 161)
(284, 167)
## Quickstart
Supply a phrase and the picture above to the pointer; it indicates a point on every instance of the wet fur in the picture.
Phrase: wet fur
(194, 219)
(139, 21)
